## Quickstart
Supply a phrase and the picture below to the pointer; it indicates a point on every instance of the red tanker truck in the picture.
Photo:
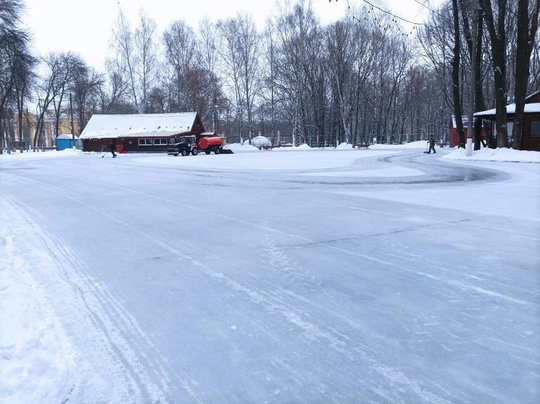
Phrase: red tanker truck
(186, 145)
(210, 144)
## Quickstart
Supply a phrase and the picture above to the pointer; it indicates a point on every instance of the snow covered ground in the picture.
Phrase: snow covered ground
(290, 275)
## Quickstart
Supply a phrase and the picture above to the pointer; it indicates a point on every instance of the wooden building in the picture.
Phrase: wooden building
(453, 137)
(139, 133)
(531, 123)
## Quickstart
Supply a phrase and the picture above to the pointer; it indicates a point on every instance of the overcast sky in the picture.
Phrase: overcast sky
(84, 26)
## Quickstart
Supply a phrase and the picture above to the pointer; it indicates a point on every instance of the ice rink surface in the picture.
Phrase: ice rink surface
(302, 276)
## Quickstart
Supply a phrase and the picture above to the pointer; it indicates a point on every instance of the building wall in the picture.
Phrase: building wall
(453, 137)
(129, 144)
(49, 131)
(531, 135)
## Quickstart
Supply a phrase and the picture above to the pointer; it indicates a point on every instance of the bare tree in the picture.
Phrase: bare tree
(241, 63)
(496, 26)
(65, 66)
(135, 57)
(181, 54)
(434, 39)
(124, 61)
(208, 43)
(268, 71)
(527, 23)
(85, 87)
(51, 89)
(15, 62)
(114, 100)
(456, 66)
(342, 40)
(146, 49)
(301, 79)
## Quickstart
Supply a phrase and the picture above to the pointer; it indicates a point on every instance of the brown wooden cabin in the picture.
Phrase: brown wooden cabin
(142, 133)
(531, 122)
(453, 137)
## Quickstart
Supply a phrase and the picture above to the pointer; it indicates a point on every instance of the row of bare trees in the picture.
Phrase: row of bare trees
(493, 52)
(16, 64)
(357, 79)
(58, 82)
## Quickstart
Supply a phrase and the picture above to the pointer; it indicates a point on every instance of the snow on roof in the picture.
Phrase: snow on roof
(67, 136)
(464, 119)
(532, 108)
(113, 126)
(532, 95)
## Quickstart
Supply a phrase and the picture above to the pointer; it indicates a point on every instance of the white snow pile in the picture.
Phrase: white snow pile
(33, 354)
(240, 148)
(500, 154)
(43, 154)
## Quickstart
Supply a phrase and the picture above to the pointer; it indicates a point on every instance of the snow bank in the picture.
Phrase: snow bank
(240, 148)
(43, 154)
(500, 154)
(35, 366)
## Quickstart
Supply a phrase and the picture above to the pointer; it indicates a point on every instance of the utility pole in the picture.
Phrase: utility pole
(71, 116)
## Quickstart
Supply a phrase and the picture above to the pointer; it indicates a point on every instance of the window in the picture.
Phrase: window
(145, 142)
(535, 128)
(159, 142)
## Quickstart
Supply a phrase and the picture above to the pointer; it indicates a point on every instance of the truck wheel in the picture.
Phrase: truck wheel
(217, 150)
(195, 151)
(185, 152)
(207, 151)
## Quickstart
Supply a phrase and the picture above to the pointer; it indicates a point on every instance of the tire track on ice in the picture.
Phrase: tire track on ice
(273, 303)
(138, 377)
(279, 263)
(280, 304)
(312, 329)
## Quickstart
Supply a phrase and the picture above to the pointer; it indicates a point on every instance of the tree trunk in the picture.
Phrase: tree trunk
(1, 130)
(455, 77)
(497, 37)
(525, 40)
(479, 102)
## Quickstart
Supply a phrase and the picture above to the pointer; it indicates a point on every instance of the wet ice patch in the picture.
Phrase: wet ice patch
(397, 171)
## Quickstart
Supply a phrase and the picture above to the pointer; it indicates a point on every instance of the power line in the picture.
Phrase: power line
(425, 4)
(395, 17)
(390, 13)
(385, 24)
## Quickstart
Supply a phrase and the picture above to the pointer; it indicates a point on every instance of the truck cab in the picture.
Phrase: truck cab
(184, 146)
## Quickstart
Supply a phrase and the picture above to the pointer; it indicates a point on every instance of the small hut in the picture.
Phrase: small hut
(67, 142)
(531, 122)
(139, 132)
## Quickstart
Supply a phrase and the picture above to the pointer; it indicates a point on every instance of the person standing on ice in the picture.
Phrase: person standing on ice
(431, 144)
(113, 149)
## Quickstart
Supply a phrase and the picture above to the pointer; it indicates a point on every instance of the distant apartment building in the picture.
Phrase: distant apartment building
(32, 135)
